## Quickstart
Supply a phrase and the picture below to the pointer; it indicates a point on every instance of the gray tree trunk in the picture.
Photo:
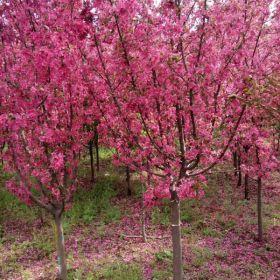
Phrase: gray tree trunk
(260, 222)
(176, 236)
(128, 181)
(246, 186)
(61, 257)
(91, 161)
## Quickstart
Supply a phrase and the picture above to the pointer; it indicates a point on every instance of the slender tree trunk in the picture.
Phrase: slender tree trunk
(143, 215)
(239, 183)
(91, 161)
(234, 155)
(61, 257)
(128, 181)
(176, 236)
(246, 186)
(41, 216)
(259, 202)
(96, 143)
(2, 150)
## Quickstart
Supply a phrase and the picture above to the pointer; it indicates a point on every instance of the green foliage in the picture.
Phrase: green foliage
(160, 215)
(88, 204)
(225, 270)
(277, 207)
(11, 205)
(190, 211)
(187, 230)
(15, 209)
(101, 230)
(221, 254)
(201, 255)
(43, 242)
(225, 224)
(137, 188)
(164, 255)
(75, 274)
(112, 215)
(162, 275)
(105, 153)
(211, 232)
(90, 276)
(200, 224)
(27, 275)
(117, 271)
(254, 268)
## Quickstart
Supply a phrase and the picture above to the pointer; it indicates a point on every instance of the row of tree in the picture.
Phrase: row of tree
(175, 88)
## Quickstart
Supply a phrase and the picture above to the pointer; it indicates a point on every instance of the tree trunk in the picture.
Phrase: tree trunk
(260, 222)
(176, 236)
(239, 183)
(41, 216)
(246, 186)
(143, 216)
(128, 183)
(91, 161)
(61, 257)
(234, 155)
(96, 143)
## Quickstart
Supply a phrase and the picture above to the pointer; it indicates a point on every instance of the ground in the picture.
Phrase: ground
(219, 232)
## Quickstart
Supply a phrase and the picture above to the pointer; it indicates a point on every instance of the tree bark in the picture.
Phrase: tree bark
(239, 183)
(246, 186)
(128, 182)
(176, 236)
(41, 216)
(259, 202)
(61, 257)
(96, 143)
(91, 161)
(143, 216)
(234, 155)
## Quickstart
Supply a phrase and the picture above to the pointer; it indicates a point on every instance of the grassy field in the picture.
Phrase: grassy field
(219, 232)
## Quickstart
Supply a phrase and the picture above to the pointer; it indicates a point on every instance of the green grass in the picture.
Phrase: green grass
(162, 275)
(96, 202)
(190, 210)
(211, 232)
(163, 256)
(106, 270)
(201, 255)
(161, 215)
(14, 208)
(43, 242)
(116, 271)
(105, 153)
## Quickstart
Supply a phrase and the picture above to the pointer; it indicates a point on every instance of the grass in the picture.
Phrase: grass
(160, 215)
(89, 204)
(201, 255)
(112, 271)
(98, 210)
(14, 208)
(162, 275)
(163, 256)
(211, 232)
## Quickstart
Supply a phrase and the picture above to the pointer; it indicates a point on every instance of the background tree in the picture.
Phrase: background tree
(176, 81)
(42, 103)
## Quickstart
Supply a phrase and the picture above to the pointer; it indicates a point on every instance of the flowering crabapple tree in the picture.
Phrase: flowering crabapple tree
(173, 83)
(261, 164)
(42, 104)
(258, 159)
